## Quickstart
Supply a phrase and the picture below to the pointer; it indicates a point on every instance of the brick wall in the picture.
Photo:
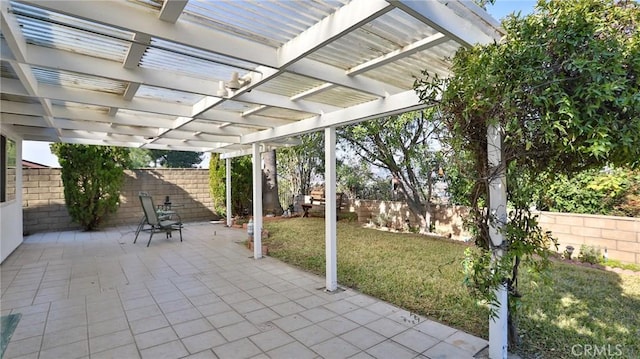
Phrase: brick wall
(44, 208)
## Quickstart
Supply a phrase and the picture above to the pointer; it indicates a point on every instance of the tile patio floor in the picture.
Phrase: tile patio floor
(98, 295)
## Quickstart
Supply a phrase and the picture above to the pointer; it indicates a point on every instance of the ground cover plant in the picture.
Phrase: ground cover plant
(579, 308)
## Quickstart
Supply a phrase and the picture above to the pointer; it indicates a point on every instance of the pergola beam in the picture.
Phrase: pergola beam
(316, 90)
(403, 102)
(442, 18)
(136, 19)
(344, 20)
(171, 10)
(137, 48)
(431, 41)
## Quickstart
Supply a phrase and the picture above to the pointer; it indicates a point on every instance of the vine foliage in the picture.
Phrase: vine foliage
(563, 87)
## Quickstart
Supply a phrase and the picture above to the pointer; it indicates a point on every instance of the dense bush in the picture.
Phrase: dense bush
(92, 177)
(613, 192)
(241, 184)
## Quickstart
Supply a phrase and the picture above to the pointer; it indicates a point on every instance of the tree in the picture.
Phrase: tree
(402, 145)
(176, 159)
(139, 157)
(614, 192)
(355, 179)
(297, 166)
(218, 184)
(563, 86)
(92, 177)
(270, 196)
(241, 184)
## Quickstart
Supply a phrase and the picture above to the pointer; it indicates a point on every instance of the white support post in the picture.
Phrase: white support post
(257, 202)
(228, 190)
(498, 329)
(330, 210)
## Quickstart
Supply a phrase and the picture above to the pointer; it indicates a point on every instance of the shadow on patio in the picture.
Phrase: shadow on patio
(98, 295)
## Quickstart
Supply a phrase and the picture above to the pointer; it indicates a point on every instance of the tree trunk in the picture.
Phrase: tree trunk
(270, 199)
(428, 204)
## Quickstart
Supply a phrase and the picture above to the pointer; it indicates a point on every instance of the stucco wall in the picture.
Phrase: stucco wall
(44, 208)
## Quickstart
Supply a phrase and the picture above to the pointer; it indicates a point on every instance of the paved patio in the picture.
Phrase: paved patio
(98, 295)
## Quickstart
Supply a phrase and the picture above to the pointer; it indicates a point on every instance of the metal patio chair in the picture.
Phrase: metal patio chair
(157, 222)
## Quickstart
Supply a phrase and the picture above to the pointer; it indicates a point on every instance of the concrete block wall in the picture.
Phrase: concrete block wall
(448, 220)
(619, 235)
(188, 189)
(370, 210)
(43, 206)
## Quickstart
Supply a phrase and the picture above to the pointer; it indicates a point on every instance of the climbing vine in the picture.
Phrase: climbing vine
(563, 88)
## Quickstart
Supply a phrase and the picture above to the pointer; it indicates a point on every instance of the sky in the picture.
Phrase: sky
(39, 152)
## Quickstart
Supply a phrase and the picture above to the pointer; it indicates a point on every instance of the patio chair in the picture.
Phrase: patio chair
(156, 222)
(164, 212)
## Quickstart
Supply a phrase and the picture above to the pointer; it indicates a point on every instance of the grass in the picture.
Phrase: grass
(580, 307)
(613, 263)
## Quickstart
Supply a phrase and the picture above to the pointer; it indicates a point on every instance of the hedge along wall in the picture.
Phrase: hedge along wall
(619, 235)
(188, 189)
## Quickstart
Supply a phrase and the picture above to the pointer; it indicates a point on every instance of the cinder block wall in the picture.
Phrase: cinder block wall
(43, 207)
(188, 189)
(619, 235)
(447, 219)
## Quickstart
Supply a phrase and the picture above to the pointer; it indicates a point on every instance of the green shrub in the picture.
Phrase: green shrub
(217, 184)
(92, 177)
(589, 254)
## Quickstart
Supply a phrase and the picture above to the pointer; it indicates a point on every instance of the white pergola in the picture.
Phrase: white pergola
(160, 74)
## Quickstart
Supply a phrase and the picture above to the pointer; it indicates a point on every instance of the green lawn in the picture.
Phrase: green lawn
(581, 308)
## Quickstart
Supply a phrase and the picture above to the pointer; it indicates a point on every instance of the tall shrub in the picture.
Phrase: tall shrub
(217, 184)
(92, 177)
(241, 184)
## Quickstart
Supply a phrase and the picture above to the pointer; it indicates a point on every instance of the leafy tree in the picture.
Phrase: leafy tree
(176, 159)
(92, 177)
(139, 157)
(356, 180)
(218, 184)
(297, 166)
(609, 192)
(270, 196)
(563, 86)
(241, 184)
(402, 145)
